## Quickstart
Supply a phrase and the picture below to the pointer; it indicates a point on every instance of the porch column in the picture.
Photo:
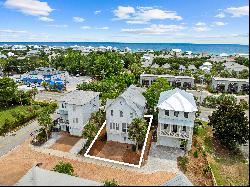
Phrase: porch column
(239, 87)
(179, 126)
(170, 128)
(226, 86)
(182, 83)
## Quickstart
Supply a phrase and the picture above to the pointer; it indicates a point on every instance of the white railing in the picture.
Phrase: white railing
(184, 135)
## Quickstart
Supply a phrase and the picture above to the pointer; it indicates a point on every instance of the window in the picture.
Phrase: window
(125, 139)
(112, 112)
(74, 107)
(62, 105)
(124, 127)
(167, 112)
(176, 113)
(131, 115)
(76, 120)
(174, 128)
(113, 125)
(165, 126)
(117, 126)
(110, 125)
(186, 114)
(121, 114)
(184, 128)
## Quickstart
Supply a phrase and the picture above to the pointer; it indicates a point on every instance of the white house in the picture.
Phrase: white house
(230, 84)
(121, 111)
(75, 109)
(176, 81)
(207, 66)
(176, 115)
(37, 176)
(9, 54)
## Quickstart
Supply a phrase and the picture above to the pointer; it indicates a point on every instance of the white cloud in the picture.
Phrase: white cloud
(123, 12)
(46, 19)
(238, 11)
(220, 15)
(142, 15)
(97, 12)
(78, 19)
(85, 27)
(103, 28)
(155, 29)
(12, 31)
(219, 23)
(200, 24)
(29, 7)
(201, 29)
(58, 26)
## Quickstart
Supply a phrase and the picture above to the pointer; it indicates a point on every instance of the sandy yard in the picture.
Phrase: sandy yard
(65, 142)
(17, 162)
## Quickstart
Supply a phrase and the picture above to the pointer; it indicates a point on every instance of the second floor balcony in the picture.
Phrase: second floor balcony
(175, 131)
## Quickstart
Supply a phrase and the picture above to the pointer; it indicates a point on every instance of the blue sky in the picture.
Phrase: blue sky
(182, 21)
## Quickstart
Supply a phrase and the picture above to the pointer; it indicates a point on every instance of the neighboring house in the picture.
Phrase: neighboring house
(207, 66)
(182, 68)
(9, 54)
(121, 111)
(49, 75)
(19, 48)
(175, 81)
(233, 66)
(32, 53)
(75, 109)
(232, 85)
(176, 115)
(40, 177)
(192, 68)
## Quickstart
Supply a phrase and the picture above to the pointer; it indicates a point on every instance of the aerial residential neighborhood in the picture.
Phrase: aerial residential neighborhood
(128, 93)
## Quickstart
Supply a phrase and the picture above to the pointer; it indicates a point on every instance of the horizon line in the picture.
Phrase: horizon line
(123, 42)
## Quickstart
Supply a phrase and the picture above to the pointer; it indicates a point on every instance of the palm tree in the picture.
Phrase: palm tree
(45, 120)
(137, 131)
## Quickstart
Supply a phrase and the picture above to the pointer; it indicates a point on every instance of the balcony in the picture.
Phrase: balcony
(184, 135)
(63, 121)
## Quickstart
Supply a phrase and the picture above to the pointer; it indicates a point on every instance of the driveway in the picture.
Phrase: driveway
(11, 140)
(162, 158)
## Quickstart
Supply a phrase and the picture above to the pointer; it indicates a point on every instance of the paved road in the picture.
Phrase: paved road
(12, 140)
(73, 81)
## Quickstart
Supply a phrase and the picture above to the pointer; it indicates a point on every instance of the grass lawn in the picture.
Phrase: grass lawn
(229, 168)
(8, 113)
(16, 116)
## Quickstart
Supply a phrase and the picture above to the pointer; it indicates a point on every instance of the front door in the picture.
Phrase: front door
(67, 128)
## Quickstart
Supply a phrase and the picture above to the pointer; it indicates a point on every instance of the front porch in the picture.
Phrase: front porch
(175, 131)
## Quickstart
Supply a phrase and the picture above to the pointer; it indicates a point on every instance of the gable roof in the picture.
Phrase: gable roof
(40, 177)
(133, 97)
(177, 100)
(78, 97)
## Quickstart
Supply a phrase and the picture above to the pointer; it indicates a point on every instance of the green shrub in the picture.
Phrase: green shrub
(183, 162)
(196, 154)
(64, 167)
(112, 182)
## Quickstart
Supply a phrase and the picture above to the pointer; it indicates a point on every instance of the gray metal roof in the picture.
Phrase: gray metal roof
(179, 180)
(78, 97)
(40, 177)
(133, 97)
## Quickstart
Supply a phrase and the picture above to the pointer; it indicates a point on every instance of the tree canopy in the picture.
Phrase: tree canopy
(229, 122)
